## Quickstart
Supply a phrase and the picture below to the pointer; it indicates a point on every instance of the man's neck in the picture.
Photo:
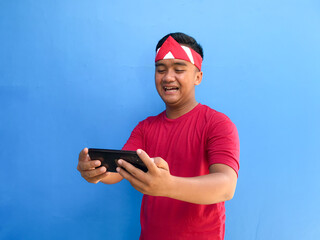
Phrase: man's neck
(175, 112)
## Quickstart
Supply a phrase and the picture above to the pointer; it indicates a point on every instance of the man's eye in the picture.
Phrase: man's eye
(179, 70)
(160, 70)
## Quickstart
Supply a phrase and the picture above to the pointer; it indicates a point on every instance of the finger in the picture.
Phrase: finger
(147, 160)
(93, 173)
(136, 183)
(83, 156)
(161, 163)
(132, 170)
(90, 165)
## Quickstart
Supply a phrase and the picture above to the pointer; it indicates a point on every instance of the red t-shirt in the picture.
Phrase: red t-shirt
(189, 144)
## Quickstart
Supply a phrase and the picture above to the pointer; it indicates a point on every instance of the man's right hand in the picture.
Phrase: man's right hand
(88, 170)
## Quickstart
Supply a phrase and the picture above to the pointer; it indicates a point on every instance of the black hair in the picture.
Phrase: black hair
(183, 39)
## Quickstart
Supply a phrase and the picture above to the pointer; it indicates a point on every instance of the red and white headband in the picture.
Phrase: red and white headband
(171, 49)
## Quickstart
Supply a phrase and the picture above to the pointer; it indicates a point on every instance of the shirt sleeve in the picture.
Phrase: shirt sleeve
(135, 140)
(223, 144)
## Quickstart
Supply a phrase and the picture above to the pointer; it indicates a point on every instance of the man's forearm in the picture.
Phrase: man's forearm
(207, 189)
(217, 186)
(112, 178)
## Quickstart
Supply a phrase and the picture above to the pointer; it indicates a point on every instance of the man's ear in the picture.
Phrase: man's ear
(198, 78)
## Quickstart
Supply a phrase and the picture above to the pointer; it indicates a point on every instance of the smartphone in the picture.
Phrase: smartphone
(109, 158)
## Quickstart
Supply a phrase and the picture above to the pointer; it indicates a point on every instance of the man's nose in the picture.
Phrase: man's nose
(169, 76)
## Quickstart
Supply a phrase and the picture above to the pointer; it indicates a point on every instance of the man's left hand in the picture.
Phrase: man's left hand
(155, 182)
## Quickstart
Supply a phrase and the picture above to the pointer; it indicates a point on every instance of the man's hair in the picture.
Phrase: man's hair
(183, 39)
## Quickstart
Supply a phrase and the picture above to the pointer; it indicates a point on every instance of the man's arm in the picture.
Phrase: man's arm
(217, 186)
(112, 178)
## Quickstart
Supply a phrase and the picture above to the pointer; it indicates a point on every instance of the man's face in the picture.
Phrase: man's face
(175, 81)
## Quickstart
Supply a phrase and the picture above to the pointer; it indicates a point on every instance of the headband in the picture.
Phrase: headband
(171, 49)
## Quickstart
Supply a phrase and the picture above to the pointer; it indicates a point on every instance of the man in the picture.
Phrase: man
(194, 149)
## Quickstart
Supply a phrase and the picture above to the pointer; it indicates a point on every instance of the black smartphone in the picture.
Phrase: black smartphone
(109, 158)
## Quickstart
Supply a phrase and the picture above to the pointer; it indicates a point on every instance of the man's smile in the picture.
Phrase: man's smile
(170, 89)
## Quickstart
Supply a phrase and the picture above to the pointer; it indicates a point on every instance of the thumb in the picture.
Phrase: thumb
(161, 163)
(83, 156)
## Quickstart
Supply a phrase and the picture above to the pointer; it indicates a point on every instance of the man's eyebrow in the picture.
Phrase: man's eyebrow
(159, 64)
(180, 63)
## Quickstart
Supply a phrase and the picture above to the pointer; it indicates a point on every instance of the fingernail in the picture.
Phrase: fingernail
(152, 159)
(120, 162)
(118, 169)
(97, 164)
(139, 151)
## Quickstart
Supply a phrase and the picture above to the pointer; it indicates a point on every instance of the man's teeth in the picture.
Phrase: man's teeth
(170, 88)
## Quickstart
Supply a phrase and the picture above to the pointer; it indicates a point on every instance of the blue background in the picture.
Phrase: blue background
(79, 73)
